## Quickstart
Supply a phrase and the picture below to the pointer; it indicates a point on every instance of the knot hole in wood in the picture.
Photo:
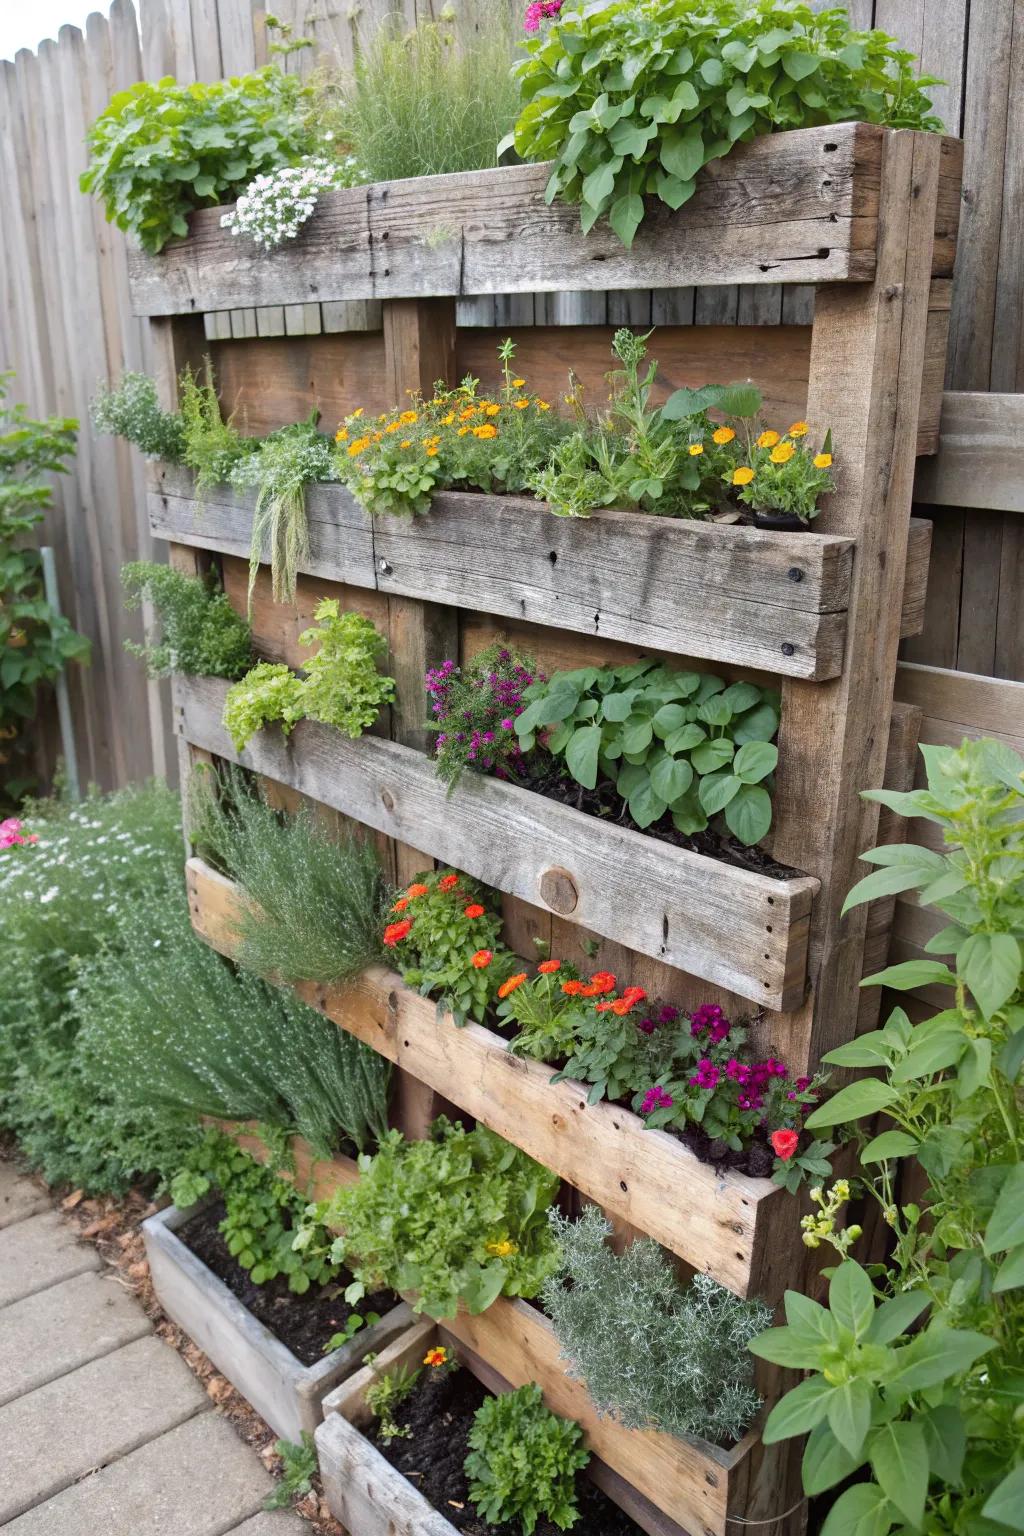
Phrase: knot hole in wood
(558, 891)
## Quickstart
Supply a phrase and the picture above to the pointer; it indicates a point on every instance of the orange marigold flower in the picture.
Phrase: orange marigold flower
(436, 1357)
(518, 383)
(447, 882)
(482, 959)
(522, 405)
(401, 904)
(377, 436)
(723, 435)
(823, 461)
(798, 429)
(467, 413)
(394, 933)
(549, 967)
(406, 443)
(419, 889)
(633, 995)
(606, 1007)
(392, 426)
(463, 431)
(473, 910)
(446, 421)
(782, 454)
(603, 979)
(356, 447)
(743, 475)
(510, 985)
(572, 988)
(492, 409)
(767, 439)
(408, 417)
(695, 450)
(486, 431)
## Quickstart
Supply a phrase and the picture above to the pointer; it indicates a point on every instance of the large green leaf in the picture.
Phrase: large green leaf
(682, 152)
(899, 1459)
(938, 1355)
(797, 1348)
(851, 1298)
(671, 777)
(826, 1461)
(799, 1411)
(748, 814)
(865, 1097)
(716, 790)
(581, 755)
(755, 761)
(1006, 1503)
(911, 974)
(862, 1510)
(626, 215)
(1006, 1224)
(895, 1316)
(849, 1413)
(990, 964)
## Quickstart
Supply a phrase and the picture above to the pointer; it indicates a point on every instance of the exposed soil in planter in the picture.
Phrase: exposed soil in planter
(545, 778)
(302, 1323)
(440, 1415)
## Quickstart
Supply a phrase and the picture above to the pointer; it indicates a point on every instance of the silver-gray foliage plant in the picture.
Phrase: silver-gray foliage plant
(653, 1353)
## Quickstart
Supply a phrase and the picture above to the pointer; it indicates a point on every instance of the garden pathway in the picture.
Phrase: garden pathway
(104, 1430)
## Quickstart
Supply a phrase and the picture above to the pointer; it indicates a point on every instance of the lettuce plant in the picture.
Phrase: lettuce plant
(523, 1460)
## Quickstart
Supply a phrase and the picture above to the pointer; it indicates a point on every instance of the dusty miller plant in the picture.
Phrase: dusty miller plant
(652, 1353)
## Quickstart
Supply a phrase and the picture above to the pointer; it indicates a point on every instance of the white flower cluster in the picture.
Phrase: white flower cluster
(275, 206)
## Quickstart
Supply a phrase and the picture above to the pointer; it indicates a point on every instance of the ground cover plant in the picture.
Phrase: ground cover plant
(652, 1352)
(915, 1365)
(630, 100)
(36, 642)
(201, 634)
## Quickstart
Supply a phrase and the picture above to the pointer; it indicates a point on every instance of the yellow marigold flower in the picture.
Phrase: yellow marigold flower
(486, 431)
(406, 442)
(503, 1249)
(467, 413)
(782, 454)
(723, 435)
(463, 431)
(542, 405)
(392, 426)
(341, 436)
(823, 461)
(356, 447)
(522, 405)
(767, 439)
(356, 414)
(518, 383)
(446, 421)
(743, 475)
(492, 410)
(383, 416)
(408, 417)
(695, 449)
(798, 429)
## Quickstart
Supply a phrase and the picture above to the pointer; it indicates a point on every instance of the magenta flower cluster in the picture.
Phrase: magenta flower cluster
(665, 1015)
(538, 11)
(709, 1020)
(656, 1098)
(475, 708)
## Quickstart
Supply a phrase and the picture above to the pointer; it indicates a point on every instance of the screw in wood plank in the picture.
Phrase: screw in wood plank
(795, 573)
(788, 648)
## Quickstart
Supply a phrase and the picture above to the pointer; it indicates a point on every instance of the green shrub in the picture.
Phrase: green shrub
(132, 411)
(298, 1469)
(523, 1461)
(202, 636)
(457, 1217)
(315, 907)
(160, 151)
(211, 446)
(653, 1353)
(632, 97)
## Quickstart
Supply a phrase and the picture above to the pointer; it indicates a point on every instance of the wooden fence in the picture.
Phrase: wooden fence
(65, 326)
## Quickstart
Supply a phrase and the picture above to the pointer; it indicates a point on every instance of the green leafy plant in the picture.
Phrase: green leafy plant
(36, 642)
(457, 1217)
(523, 1461)
(280, 467)
(632, 99)
(783, 475)
(449, 944)
(679, 743)
(132, 411)
(269, 694)
(202, 635)
(211, 447)
(314, 906)
(356, 1321)
(652, 1352)
(298, 1469)
(160, 151)
(385, 1394)
(930, 1409)
(545, 1016)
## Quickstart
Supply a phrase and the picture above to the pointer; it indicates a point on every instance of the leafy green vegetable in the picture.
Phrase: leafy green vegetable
(523, 1461)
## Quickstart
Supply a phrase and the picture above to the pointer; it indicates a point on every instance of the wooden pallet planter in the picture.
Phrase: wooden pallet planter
(742, 596)
(740, 929)
(668, 1485)
(283, 1391)
(742, 1231)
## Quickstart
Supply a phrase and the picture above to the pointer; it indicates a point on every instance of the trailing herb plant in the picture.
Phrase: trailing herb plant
(280, 469)
(131, 410)
(202, 635)
(212, 448)
(314, 906)
(475, 709)
(915, 1364)
(631, 98)
(458, 1217)
(449, 944)
(523, 1460)
(653, 1353)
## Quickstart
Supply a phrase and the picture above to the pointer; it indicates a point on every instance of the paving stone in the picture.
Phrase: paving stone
(39, 1252)
(56, 1434)
(20, 1196)
(197, 1480)
(57, 1330)
(272, 1522)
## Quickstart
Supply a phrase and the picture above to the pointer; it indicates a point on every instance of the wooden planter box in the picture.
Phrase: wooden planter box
(283, 1391)
(742, 1231)
(739, 929)
(668, 1485)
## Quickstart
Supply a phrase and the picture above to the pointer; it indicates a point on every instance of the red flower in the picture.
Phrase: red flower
(510, 985)
(394, 933)
(604, 981)
(473, 910)
(633, 995)
(416, 890)
(573, 988)
(549, 967)
(784, 1144)
(401, 904)
(482, 959)
(447, 882)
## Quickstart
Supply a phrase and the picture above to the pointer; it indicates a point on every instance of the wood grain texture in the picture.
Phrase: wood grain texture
(739, 1230)
(981, 449)
(742, 930)
(790, 207)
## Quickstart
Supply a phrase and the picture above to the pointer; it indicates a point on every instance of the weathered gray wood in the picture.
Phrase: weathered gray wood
(793, 207)
(740, 929)
(981, 450)
(365, 1492)
(774, 601)
(283, 1391)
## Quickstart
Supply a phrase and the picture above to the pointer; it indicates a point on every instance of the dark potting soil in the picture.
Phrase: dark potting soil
(302, 1323)
(545, 778)
(440, 1415)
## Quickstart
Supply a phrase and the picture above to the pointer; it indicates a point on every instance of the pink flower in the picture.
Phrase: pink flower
(706, 1076)
(710, 1020)
(655, 1098)
(540, 10)
(784, 1144)
(11, 833)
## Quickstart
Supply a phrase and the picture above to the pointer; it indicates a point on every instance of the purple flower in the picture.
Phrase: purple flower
(647, 1026)
(507, 725)
(707, 1074)
(655, 1098)
(667, 1014)
(710, 1020)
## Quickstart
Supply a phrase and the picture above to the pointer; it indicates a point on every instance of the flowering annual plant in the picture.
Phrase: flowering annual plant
(276, 204)
(782, 474)
(13, 834)
(542, 1010)
(538, 11)
(448, 943)
(475, 710)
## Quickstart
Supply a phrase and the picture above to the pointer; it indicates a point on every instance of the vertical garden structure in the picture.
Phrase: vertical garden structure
(869, 216)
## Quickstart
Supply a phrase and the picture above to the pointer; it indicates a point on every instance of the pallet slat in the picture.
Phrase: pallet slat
(740, 929)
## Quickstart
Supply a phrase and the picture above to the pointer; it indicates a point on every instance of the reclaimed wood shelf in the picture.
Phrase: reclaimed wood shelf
(714, 592)
(738, 1229)
(668, 1485)
(736, 927)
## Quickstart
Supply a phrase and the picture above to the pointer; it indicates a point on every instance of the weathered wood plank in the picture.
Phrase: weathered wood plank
(915, 582)
(793, 207)
(732, 926)
(981, 448)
